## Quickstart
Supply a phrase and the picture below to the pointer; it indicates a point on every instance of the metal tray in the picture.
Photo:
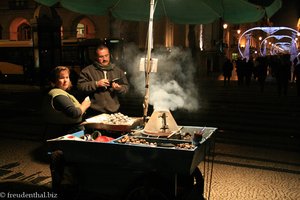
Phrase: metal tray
(98, 122)
(133, 156)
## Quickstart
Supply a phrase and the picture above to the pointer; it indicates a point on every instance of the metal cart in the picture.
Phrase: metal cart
(138, 166)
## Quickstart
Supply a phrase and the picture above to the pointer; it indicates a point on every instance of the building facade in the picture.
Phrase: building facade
(23, 20)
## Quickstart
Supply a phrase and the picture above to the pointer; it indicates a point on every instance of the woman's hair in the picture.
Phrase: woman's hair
(54, 75)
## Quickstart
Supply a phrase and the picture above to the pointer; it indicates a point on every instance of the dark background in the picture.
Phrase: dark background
(287, 15)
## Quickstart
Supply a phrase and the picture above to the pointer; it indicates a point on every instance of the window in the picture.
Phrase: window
(18, 4)
(24, 32)
(80, 31)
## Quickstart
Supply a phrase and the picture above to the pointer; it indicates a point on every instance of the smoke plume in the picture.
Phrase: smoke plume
(172, 86)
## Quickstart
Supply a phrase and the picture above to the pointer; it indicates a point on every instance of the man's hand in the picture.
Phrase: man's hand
(116, 86)
(103, 83)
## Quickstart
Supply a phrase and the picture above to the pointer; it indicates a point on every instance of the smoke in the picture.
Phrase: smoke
(172, 86)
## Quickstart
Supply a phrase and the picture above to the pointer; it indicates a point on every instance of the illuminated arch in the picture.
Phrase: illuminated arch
(280, 47)
(14, 32)
(269, 31)
(277, 37)
(84, 28)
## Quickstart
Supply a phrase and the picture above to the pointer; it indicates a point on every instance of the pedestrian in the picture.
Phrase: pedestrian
(249, 67)
(227, 71)
(297, 74)
(240, 68)
(262, 70)
(283, 74)
(103, 82)
(295, 62)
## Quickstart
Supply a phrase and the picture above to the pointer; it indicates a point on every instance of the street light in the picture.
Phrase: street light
(225, 39)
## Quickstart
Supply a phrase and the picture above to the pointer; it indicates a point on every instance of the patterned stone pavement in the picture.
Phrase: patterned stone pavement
(257, 151)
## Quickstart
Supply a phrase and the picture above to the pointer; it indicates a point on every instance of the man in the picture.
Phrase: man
(102, 81)
(227, 70)
(297, 74)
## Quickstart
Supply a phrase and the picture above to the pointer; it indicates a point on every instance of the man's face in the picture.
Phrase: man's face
(103, 57)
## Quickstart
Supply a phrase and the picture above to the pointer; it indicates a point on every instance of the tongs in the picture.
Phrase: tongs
(174, 132)
(116, 80)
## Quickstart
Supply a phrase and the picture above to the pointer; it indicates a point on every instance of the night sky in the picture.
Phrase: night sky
(288, 15)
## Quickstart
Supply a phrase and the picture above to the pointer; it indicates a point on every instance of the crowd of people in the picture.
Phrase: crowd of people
(279, 67)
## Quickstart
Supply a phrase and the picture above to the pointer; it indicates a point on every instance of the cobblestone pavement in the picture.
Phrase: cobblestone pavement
(257, 145)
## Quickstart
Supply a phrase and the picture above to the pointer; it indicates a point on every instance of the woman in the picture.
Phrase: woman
(62, 111)
(63, 115)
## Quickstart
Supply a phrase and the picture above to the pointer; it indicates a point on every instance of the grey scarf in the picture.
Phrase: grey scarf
(107, 68)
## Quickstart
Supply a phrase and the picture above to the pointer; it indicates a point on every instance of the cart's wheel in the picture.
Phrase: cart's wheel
(146, 193)
(150, 186)
(65, 190)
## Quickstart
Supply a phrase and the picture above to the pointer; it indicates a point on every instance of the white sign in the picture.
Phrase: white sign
(153, 64)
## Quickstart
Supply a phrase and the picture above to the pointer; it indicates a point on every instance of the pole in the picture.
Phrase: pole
(148, 61)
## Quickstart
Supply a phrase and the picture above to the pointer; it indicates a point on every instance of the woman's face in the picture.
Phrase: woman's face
(63, 81)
